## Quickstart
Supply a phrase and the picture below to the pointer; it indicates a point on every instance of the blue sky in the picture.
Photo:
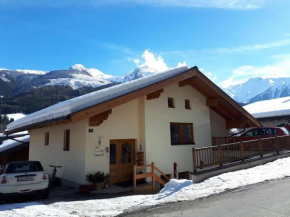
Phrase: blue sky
(229, 40)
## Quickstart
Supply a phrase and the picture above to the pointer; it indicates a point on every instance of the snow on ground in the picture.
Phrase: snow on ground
(175, 190)
(269, 108)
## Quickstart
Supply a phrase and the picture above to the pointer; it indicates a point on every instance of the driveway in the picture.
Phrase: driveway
(267, 199)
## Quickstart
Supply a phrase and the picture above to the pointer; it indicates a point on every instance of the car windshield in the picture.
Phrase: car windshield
(20, 167)
(285, 130)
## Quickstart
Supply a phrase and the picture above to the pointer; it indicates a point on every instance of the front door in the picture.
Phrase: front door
(122, 159)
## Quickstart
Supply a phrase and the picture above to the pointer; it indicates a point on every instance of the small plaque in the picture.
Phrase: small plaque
(100, 150)
(91, 130)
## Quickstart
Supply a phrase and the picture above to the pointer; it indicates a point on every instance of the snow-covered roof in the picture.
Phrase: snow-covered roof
(9, 143)
(65, 108)
(269, 108)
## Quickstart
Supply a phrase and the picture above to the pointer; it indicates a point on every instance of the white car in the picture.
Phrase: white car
(23, 177)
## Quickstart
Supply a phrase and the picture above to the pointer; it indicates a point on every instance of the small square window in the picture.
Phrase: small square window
(66, 141)
(187, 104)
(46, 139)
(170, 102)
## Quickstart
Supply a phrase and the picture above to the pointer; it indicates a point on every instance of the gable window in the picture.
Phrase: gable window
(66, 141)
(187, 104)
(170, 102)
(46, 139)
(181, 133)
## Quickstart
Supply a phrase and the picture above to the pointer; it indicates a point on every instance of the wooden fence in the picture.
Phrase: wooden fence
(150, 174)
(219, 155)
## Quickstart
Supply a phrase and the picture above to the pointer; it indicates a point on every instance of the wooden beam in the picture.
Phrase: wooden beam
(98, 119)
(237, 123)
(213, 102)
(185, 82)
(155, 94)
(97, 109)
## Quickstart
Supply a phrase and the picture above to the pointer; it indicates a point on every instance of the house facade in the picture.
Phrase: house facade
(164, 120)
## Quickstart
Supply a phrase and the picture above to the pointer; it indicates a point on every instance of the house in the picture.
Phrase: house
(272, 112)
(163, 115)
(14, 149)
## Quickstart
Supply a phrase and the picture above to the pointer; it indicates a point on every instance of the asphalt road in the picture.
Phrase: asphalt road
(263, 200)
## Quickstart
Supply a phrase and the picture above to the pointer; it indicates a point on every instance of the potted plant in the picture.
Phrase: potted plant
(97, 179)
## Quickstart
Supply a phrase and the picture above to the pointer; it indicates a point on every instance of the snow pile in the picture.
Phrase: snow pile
(269, 108)
(28, 71)
(9, 143)
(175, 190)
(67, 107)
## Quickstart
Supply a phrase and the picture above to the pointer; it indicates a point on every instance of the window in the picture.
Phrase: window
(181, 133)
(253, 132)
(187, 104)
(113, 154)
(46, 139)
(66, 140)
(170, 102)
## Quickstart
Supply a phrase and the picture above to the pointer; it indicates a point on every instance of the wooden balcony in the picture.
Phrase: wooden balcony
(237, 151)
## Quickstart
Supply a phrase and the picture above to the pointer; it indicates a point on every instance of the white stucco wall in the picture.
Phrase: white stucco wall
(218, 125)
(123, 123)
(72, 161)
(157, 127)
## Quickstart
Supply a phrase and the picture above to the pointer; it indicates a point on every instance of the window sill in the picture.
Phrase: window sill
(184, 144)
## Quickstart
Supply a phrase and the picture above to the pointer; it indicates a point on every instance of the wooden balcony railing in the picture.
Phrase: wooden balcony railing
(219, 155)
(150, 174)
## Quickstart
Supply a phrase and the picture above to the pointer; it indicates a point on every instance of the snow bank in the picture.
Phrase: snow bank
(269, 108)
(9, 143)
(67, 107)
(175, 190)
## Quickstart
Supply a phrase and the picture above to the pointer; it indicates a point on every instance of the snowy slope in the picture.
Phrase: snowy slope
(257, 89)
(27, 71)
(140, 73)
(269, 108)
(174, 191)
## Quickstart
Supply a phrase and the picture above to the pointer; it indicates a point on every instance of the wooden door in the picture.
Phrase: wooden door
(122, 159)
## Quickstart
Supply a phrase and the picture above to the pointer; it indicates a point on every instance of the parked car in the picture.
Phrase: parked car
(23, 178)
(266, 132)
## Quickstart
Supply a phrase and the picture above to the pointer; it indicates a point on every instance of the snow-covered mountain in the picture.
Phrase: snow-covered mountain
(140, 73)
(77, 76)
(257, 89)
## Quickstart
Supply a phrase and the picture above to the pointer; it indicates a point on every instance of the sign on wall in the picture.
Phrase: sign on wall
(100, 150)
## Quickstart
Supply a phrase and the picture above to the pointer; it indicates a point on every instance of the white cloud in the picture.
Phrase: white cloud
(149, 60)
(208, 74)
(238, 49)
(279, 68)
(181, 64)
(222, 4)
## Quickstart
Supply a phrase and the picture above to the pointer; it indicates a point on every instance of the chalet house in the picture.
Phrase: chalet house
(271, 113)
(162, 116)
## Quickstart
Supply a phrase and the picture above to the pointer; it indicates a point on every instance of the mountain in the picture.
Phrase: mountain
(27, 91)
(140, 73)
(257, 89)
(13, 82)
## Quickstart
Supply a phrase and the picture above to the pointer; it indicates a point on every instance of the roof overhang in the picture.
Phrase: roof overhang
(217, 100)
